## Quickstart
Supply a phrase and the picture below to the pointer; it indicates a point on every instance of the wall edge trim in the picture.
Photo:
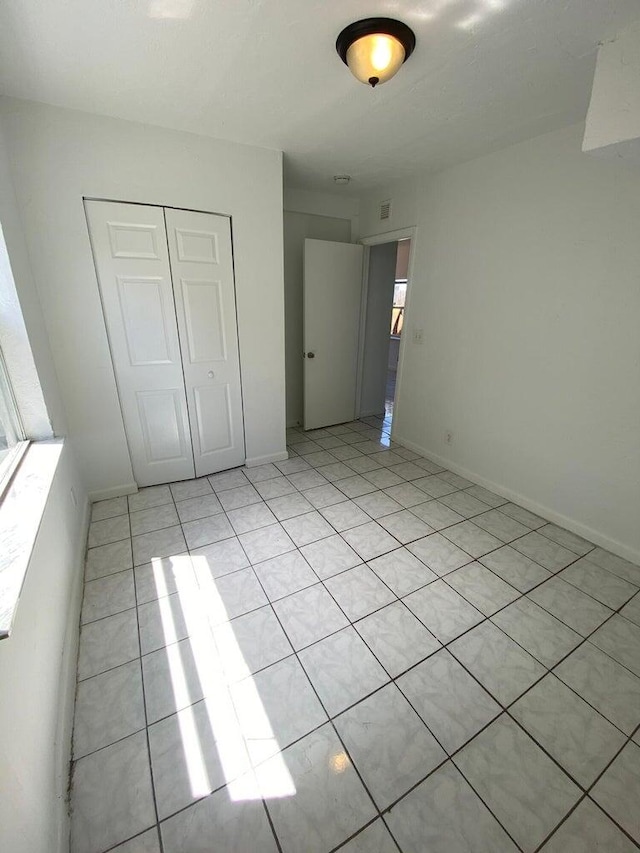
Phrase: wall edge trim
(113, 492)
(254, 461)
(67, 696)
(594, 536)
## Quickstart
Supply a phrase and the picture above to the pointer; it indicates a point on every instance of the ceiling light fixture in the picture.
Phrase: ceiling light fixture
(342, 180)
(374, 49)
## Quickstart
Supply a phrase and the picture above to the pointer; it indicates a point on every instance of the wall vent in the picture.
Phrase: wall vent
(385, 209)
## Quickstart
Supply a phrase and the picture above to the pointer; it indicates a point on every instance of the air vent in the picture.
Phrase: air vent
(385, 209)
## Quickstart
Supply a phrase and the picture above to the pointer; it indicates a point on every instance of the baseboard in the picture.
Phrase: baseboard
(600, 539)
(263, 460)
(114, 492)
(370, 414)
(68, 672)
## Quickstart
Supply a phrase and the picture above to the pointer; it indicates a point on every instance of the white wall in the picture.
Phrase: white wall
(403, 197)
(297, 227)
(38, 659)
(37, 674)
(525, 280)
(380, 284)
(58, 156)
(336, 205)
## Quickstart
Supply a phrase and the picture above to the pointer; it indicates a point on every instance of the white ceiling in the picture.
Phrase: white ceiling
(485, 73)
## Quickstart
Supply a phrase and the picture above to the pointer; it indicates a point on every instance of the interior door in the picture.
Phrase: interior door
(332, 293)
(202, 269)
(132, 263)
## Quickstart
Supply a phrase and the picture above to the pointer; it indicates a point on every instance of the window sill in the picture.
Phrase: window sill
(21, 512)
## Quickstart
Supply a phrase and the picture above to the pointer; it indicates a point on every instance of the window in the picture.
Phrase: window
(22, 409)
(399, 298)
(11, 433)
(27, 468)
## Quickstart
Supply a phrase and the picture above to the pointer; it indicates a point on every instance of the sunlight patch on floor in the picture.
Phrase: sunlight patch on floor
(217, 665)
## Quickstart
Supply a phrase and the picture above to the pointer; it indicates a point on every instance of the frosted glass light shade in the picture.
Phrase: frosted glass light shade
(375, 58)
(375, 48)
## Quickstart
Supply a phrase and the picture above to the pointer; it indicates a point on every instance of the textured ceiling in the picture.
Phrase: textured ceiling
(485, 73)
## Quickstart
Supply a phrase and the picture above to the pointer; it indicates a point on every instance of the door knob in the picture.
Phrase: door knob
(311, 355)
(211, 374)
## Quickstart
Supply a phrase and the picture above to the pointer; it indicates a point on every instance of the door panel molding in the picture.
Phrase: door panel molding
(163, 427)
(135, 341)
(117, 231)
(215, 432)
(187, 243)
(196, 302)
(332, 290)
(204, 291)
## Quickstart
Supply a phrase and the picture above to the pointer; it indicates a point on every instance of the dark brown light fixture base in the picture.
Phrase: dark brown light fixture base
(374, 49)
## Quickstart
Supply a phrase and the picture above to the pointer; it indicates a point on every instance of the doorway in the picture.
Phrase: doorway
(383, 321)
(355, 296)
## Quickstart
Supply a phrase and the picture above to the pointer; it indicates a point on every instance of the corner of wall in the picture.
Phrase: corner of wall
(113, 492)
(38, 670)
(545, 512)
(68, 670)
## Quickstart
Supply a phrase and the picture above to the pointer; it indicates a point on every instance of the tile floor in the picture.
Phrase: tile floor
(353, 649)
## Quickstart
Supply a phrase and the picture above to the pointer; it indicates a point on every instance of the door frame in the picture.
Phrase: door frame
(375, 240)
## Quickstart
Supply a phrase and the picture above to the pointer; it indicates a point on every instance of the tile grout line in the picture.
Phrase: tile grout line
(505, 709)
(137, 731)
(397, 598)
(443, 577)
(440, 577)
(235, 710)
(410, 668)
(392, 680)
(146, 716)
(329, 720)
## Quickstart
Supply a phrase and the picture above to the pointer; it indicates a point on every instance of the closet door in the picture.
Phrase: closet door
(132, 263)
(202, 269)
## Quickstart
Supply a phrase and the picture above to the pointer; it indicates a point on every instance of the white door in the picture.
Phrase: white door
(332, 292)
(202, 271)
(132, 262)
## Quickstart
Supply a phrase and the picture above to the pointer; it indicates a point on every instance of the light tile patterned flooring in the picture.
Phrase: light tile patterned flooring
(352, 650)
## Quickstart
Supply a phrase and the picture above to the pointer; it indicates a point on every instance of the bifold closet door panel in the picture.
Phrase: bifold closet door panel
(132, 263)
(202, 269)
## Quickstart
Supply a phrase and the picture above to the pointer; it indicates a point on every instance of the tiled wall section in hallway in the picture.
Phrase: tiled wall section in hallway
(357, 650)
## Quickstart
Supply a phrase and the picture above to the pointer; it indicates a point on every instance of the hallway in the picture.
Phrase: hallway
(353, 649)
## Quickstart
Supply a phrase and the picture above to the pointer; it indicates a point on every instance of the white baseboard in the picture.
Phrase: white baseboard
(68, 670)
(263, 460)
(114, 492)
(618, 548)
(369, 414)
